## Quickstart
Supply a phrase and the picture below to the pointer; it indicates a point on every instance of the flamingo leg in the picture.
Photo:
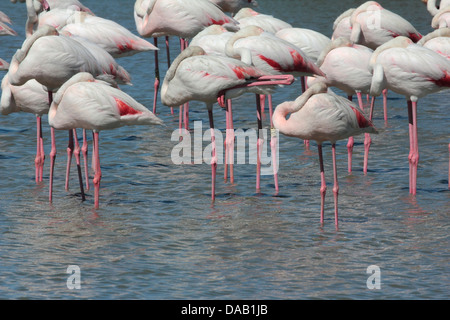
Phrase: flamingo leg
(336, 185)
(350, 143)
(230, 143)
(258, 144)
(213, 155)
(52, 154)
(368, 139)
(273, 145)
(52, 164)
(449, 166)
(385, 105)
(76, 153)
(84, 150)
(323, 187)
(42, 154)
(168, 61)
(69, 157)
(156, 84)
(415, 158)
(98, 172)
(37, 160)
(304, 87)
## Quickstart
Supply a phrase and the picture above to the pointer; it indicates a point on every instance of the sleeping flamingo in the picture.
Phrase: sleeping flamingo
(83, 102)
(183, 19)
(413, 71)
(347, 68)
(51, 60)
(194, 75)
(432, 7)
(249, 17)
(372, 25)
(321, 116)
(273, 55)
(30, 97)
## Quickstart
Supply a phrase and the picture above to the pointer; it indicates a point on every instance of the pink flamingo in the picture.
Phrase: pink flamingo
(373, 25)
(249, 17)
(309, 41)
(273, 55)
(31, 97)
(442, 18)
(194, 75)
(183, 19)
(412, 71)
(233, 6)
(342, 57)
(83, 102)
(51, 60)
(342, 26)
(438, 41)
(108, 34)
(321, 116)
(5, 30)
(433, 9)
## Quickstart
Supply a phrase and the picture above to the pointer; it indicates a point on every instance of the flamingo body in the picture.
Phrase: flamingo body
(309, 41)
(180, 18)
(111, 36)
(249, 17)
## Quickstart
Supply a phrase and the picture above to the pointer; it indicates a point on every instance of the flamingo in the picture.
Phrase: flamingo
(194, 75)
(433, 8)
(413, 71)
(180, 18)
(83, 102)
(342, 57)
(442, 18)
(342, 26)
(373, 25)
(309, 41)
(30, 97)
(273, 55)
(321, 116)
(233, 6)
(111, 36)
(249, 17)
(438, 41)
(51, 60)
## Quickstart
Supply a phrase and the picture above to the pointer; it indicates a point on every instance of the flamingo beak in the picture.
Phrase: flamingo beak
(45, 5)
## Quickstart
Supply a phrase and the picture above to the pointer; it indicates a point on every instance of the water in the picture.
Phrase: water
(156, 235)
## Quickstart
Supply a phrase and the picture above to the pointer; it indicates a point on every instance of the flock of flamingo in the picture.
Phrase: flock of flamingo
(67, 68)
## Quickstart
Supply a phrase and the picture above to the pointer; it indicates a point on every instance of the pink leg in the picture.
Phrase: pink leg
(350, 143)
(42, 160)
(411, 144)
(76, 153)
(415, 159)
(84, 150)
(258, 145)
(98, 172)
(303, 82)
(213, 156)
(323, 188)
(230, 144)
(385, 105)
(52, 164)
(273, 145)
(336, 185)
(168, 62)
(69, 157)
(37, 160)
(449, 166)
(156, 84)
